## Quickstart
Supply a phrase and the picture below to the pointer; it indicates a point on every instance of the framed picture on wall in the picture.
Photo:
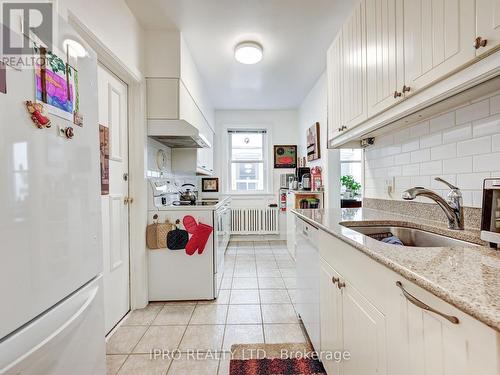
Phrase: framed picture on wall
(313, 149)
(210, 185)
(285, 156)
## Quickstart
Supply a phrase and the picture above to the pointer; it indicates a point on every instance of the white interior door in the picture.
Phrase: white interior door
(115, 211)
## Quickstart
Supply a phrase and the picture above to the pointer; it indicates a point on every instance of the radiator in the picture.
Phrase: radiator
(254, 220)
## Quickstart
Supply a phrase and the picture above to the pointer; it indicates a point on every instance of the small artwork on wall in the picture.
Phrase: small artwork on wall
(55, 84)
(210, 185)
(285, 156)
(104, 147)
(313, 143)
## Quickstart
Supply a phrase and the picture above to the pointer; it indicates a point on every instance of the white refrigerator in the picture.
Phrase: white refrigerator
(51, 300)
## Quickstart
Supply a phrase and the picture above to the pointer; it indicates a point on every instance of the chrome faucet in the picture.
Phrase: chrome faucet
(452, 207)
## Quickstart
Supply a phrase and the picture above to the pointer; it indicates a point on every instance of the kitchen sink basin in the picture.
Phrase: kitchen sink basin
(411, 236)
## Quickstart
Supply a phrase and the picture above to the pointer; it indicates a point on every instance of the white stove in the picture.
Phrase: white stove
(174, 275)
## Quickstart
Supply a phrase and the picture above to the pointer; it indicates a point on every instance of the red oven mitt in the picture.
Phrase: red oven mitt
(190, 224)
(199, 239)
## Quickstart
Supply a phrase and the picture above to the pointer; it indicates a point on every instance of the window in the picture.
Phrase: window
(350, 165)
(247, 161)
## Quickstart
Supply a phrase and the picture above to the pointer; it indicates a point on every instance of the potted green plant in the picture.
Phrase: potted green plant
(351, 186)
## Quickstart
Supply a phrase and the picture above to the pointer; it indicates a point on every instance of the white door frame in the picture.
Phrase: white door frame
(137, 146)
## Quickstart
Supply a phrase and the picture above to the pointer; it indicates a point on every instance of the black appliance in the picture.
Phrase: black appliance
(490, 220)
(301, 171)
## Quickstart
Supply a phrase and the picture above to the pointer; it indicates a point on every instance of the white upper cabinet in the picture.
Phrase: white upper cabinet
(389, 50)
(385, 53)
(488, 25)
(438, 40)
(334, 63)
(354, 109)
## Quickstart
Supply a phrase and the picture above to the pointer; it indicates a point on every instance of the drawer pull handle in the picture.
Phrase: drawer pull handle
(418, 303)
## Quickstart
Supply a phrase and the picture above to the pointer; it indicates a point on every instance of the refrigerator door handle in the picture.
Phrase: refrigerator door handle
(23, 353)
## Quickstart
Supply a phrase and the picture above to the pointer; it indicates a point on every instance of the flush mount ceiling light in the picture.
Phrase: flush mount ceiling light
(248, 52)
(74, 48)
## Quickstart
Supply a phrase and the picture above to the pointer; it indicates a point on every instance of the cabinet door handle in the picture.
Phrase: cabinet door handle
(480, 42)
(406, 89)
(418, 303)
(335, 280)
(340, 284)
(397, 94)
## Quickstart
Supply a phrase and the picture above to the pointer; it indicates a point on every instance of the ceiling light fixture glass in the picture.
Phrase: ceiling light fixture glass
(248, 52)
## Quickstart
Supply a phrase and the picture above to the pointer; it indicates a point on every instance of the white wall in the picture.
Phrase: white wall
(115, 26)
(462, 146)
(282, 129)
(314, 109)
(152, 166)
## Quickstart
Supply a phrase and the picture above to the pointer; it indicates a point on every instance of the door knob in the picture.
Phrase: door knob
(406, 89)
(480, 42)
(397, 94)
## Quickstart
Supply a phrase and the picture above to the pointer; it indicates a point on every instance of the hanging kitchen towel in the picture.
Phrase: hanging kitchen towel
(199, 239)
(177, 239)
(156, 235)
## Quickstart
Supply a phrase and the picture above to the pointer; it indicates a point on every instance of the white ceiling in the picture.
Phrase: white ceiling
(295, 35)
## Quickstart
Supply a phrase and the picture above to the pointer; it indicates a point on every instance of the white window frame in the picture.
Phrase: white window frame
(265, 160)
(361, 163)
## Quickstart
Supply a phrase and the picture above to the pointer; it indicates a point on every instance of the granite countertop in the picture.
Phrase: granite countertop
(466, 277)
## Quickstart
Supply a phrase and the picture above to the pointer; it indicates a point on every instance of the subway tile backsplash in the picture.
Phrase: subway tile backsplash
(462, 146)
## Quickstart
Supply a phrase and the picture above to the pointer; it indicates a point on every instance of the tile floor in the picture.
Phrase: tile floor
(255, 305)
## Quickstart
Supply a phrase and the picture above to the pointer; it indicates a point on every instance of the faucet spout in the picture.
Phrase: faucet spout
(452, 208)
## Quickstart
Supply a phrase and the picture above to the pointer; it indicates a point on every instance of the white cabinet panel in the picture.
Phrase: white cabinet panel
(308, 290)
(330, 316)
(488, 24)
(364, 333)
(354, 109)
(438, 38)
(334, 72)
(162, 98)
(436, 346)
(385, 71)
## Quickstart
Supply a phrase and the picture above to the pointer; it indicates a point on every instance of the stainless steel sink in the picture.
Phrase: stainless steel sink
(411, 236)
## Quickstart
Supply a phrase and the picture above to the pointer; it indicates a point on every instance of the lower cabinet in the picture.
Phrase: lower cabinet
(330, 316)
(349, 322)
(364, 334)
(375, 315)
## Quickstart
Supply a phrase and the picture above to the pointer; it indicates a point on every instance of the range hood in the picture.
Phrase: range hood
(177, 134)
